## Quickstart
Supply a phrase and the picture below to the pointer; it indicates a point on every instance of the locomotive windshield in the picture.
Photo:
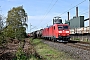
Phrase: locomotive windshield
(62, 27)
(65, 27)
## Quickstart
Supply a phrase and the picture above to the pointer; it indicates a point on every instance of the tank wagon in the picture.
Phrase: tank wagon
(39, 33)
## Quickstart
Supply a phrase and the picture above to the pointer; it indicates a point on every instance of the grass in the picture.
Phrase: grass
(49, 53)
(76, 39)
(82, 39)
(33, 58)
(21, 55)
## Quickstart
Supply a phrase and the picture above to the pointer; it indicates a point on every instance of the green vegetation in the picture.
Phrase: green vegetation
(14, 29)
(82, 39)
(86, 40)
(15, 32)
(48, 53)
(22, 55)
(2, 38)
(15, 22)
(77, 39)
(15, 25)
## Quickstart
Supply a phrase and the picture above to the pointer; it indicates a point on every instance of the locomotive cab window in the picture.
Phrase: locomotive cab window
(65, 27)
(62, 27)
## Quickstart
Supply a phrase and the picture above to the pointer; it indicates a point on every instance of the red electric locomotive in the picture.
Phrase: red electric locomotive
(57, 31)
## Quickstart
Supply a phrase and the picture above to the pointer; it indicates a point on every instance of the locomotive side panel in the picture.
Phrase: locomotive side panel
(57, 31)
(50, 31)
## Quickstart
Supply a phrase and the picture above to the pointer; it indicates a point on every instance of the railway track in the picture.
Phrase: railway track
(80, 45)
(77, 44)
(76, 49)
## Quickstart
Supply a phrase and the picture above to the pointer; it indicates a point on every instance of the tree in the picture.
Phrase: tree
(16, 20)
(1, 22)
(2, 38)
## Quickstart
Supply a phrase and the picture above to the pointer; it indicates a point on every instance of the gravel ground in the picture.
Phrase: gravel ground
(78, 54)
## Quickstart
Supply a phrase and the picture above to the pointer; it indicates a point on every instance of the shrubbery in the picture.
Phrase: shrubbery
(15, 25)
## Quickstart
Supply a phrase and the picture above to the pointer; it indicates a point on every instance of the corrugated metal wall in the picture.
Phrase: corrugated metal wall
(76, 22)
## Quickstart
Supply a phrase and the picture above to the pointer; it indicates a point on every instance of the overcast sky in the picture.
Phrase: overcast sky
(41, 12)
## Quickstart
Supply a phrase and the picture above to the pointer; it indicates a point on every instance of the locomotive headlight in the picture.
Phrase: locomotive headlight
(67, 31)
(60, 31)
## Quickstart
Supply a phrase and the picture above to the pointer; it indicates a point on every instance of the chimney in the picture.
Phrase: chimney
(76, 11)
(68, 15)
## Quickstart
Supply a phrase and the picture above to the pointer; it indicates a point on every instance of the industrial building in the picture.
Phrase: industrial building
(76, 22)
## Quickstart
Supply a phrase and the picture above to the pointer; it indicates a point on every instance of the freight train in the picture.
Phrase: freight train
(57, 31)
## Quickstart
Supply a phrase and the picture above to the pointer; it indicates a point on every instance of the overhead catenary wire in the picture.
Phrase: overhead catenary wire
(68, 10)
(85, 12)
(63, 12)
(72, 7)
(47, 10)
(50, 10)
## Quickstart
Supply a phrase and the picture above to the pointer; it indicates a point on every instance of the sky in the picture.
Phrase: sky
(41, 12)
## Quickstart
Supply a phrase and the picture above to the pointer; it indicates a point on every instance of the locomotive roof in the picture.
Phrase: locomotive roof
(54, 25)
(49, 26)
(60, 24)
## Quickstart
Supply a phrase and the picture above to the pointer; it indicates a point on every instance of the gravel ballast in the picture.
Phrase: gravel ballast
(77, 53)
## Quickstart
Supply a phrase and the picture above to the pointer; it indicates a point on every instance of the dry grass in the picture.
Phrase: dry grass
(48, 52)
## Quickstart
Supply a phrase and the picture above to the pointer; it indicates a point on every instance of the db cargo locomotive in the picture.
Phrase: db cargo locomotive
(57, 31)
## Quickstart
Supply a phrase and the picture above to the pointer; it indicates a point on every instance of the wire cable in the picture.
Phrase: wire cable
(69, 9)
(50, 10)
(63, 12)
(47, 10)
(72, 7)
(85, 12)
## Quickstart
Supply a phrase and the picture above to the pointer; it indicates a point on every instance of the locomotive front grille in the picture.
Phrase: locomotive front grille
(63, 37)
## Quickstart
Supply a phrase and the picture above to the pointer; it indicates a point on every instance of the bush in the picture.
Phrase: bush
(20, 55)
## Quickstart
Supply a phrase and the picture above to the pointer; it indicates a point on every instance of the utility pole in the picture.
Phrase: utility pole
(89, 16)
(30, 27)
